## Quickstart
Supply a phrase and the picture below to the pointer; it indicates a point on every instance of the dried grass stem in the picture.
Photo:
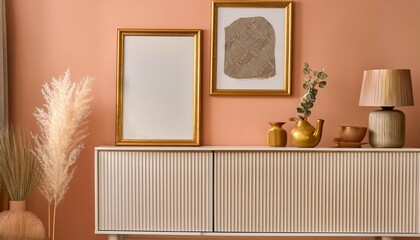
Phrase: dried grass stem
(19, 169)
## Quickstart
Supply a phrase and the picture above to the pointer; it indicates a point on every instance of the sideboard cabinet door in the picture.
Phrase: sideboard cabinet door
(159, 191)
(316, 192)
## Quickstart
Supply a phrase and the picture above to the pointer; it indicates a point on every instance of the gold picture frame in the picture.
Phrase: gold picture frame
(158, 87)
(251, 44)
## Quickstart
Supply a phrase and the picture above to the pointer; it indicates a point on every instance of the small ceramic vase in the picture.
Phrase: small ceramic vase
(276, 136)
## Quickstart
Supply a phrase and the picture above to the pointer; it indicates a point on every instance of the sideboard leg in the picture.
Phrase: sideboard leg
(387, 238)
(114, 237)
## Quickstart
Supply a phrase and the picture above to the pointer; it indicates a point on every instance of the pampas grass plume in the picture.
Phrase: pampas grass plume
(63, 127)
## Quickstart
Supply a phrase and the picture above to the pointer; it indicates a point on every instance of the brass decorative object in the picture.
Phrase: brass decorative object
(350, 144)
(277, 136)
(351, 133)
(350, 136)
(305, 135)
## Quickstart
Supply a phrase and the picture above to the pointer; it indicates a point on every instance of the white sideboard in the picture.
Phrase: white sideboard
(257, 191)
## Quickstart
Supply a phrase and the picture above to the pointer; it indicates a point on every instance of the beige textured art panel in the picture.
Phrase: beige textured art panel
(249, 49)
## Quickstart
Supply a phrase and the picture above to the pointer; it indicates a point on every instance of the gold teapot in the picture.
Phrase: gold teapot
(304, 134)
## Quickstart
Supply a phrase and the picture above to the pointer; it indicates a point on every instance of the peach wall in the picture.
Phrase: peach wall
(346, 36)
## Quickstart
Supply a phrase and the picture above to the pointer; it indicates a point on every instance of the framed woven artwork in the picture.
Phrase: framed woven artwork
(251, 47)
(158, 87)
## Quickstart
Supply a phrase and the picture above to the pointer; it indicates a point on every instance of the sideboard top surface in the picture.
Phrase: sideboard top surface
(252, 148)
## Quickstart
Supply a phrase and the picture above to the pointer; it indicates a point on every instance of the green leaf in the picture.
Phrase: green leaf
(300, 110)
(306, 86)
(314, 91)
(309, 105)
(316, 73)
(322, 84)
(305, 71)
(305, 65)
(314, 95)
(313, 82)
(306, 104)
(324, 75)
(308, 113)
(311, 97)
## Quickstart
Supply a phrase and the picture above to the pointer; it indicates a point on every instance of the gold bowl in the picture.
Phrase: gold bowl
(351, 134)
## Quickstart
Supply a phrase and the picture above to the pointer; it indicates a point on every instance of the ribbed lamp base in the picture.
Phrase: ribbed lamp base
(386, 129)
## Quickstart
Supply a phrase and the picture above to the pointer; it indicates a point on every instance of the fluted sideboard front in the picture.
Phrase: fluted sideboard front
(257, 191)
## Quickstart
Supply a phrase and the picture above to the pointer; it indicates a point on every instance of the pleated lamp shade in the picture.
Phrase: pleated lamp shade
(386, 88)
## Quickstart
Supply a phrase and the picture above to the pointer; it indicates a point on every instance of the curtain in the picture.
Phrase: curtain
(4, 113)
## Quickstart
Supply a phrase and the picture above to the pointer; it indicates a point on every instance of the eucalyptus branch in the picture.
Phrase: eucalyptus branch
(312, 80)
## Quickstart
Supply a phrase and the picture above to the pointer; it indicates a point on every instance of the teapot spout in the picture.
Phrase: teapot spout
(318, 131)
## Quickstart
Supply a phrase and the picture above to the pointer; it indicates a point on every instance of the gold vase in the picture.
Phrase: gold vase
(276, 136)
(304, 134)
(20, 224)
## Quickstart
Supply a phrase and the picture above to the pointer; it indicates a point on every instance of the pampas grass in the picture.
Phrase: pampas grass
(19, 169)
(63, 126)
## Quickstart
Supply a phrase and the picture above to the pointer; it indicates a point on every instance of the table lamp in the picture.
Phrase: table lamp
(386, 88)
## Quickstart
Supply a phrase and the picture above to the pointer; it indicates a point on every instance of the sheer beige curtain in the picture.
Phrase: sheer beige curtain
(4, 116)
